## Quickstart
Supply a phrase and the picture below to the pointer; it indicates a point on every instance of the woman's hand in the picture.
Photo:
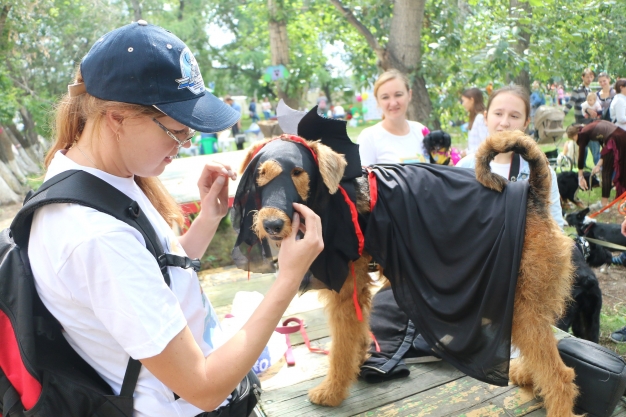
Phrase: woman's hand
(297, 255)
(213, 187)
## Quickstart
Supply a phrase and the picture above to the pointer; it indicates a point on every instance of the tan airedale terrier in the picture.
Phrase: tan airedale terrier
(543, 284)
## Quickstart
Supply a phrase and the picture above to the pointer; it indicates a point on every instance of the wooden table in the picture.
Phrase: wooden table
(433, 389)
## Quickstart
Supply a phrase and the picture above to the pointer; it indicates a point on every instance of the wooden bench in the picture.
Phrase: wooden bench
(433, 389)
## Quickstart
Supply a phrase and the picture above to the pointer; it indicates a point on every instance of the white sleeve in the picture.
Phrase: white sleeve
(120, 281)
(555, 201)
(367, 149)
(620, 111)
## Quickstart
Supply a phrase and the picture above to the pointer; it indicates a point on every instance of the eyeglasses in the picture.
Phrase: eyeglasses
(190, 133)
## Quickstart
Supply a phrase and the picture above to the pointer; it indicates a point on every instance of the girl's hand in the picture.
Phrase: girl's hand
(296, 256)
(582, 182)
(213, 187)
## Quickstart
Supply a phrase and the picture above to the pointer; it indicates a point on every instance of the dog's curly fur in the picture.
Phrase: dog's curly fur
(543, 286)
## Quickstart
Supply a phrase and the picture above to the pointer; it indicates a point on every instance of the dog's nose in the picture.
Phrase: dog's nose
(274, 226)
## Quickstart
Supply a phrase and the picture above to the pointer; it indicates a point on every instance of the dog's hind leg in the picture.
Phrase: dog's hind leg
(540, 296)
(350, 337)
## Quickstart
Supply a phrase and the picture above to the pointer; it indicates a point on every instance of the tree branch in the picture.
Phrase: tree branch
(367, 34)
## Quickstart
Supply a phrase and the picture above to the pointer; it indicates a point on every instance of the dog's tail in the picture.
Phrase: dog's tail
(516, 141)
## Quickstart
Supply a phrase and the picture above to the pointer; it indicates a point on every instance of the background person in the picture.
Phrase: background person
(472, 101)
(394, 139)
(613, 161)
(590, 104)
(252, 110)
(93, 272)
(509, 109)
(605, 95)
(578, 97)
(617, 108)
(266, 107)
(236, 128)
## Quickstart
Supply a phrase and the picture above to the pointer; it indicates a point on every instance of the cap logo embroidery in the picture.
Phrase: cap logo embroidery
(191, 76)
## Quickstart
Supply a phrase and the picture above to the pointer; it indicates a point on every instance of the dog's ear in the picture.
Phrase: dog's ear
(251, 152)
(331, 165)
(583, 213)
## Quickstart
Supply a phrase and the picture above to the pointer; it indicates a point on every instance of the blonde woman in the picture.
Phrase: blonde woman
(395, 139)
(124, 124)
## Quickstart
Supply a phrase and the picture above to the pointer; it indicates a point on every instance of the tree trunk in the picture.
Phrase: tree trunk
(180, 9)
(7, 195)
(519, 9)
(4, 13)
(30, 139)
(403, 52)
(11, 174)
(136, 9)
(279, 47)
(24, 160)
(34, 152)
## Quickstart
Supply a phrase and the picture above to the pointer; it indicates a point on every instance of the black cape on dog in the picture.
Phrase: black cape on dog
(451, 249)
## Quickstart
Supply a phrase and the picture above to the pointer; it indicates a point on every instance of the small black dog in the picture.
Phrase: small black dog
(598, 256)
(437, 146)
(568, 185)
(609, 232)
(583, 314)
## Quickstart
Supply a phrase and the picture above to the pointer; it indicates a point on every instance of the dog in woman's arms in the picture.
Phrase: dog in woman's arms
(354, 206)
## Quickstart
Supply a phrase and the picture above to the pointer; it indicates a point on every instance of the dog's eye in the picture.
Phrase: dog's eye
(297, 171)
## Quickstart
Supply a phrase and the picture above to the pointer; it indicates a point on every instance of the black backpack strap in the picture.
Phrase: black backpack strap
(515, 164)
(80, 187)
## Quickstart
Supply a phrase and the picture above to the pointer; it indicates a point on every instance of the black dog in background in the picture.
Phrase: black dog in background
(583, 314)
(568, 185)
(609, 232)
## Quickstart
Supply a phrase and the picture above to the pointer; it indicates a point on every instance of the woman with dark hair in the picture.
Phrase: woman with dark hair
(472, 101)
(605, 95)
(612, 160)
(618, 105)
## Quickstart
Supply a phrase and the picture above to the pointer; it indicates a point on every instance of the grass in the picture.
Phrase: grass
(218, 252)
(612, 319)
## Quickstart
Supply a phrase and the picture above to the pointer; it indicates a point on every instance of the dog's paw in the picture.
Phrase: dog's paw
(518, 375)
(328, 395)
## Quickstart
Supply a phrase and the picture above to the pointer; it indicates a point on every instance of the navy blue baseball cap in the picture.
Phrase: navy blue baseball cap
(146, 64)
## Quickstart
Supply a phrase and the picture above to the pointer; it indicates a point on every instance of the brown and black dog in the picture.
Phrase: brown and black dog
(543, 285)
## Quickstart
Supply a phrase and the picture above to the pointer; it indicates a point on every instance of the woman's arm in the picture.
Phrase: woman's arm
(555, 201)
(207, 382)
(620, 111)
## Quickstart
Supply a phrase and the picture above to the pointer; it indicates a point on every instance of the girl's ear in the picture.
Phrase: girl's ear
(527, 123)
(114, 120)
(410, 94)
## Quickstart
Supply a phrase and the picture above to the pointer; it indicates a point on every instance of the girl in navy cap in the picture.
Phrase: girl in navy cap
(136, 100)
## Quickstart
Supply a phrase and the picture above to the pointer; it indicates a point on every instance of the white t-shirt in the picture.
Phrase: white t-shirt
(618, 110)
(378, 146)
(477, 133)
(95, 275)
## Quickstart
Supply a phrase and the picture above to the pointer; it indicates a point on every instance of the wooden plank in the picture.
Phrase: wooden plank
(292, 400)
(454, 398)
(514, 402)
